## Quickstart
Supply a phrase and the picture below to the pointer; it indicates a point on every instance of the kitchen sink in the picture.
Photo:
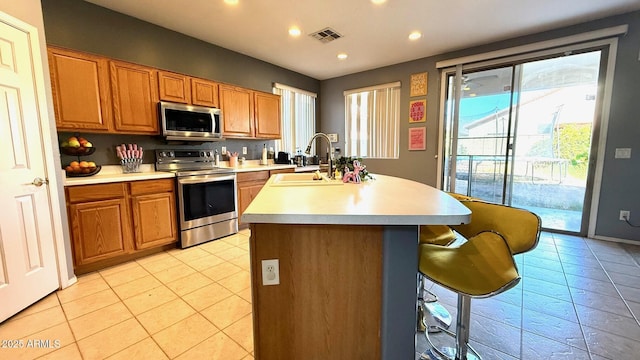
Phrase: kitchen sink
(302, 179)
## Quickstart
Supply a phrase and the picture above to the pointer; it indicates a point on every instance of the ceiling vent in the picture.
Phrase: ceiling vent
(326, 35)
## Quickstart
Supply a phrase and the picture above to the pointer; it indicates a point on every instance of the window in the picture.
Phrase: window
(372, 121)
(298, 118)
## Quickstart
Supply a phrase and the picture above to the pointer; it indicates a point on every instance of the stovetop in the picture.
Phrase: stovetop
(188, 162)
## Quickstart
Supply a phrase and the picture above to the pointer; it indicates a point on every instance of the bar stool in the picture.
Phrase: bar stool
(483, 266)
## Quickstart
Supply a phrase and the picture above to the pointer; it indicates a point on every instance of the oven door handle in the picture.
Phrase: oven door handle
(198, 179)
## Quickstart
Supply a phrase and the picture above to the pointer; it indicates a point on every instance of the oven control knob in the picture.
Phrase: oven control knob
(208, 153)
(201, 153)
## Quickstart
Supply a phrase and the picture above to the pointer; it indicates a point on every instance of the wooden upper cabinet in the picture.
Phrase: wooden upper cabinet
(237, 111)
(174, 87)
(267, 115)
(135, 98)
(204, 93)
(80, 87)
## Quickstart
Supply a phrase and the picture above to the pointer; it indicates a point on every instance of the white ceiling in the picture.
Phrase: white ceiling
(373, 35)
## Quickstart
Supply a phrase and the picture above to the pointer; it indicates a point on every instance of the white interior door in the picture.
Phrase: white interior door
(28, 265)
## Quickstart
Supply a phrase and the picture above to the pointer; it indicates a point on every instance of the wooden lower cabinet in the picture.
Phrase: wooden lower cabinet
(250, 184)
(100, 230)
(279, 171)
(113, 223)
(154, 214)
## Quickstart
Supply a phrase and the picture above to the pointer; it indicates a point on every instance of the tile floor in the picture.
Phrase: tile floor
(579, 299)
(179, 304)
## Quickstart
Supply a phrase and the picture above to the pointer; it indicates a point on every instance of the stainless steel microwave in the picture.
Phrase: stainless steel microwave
(189, 122)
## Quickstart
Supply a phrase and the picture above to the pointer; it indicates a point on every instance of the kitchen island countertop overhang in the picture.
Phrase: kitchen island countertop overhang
(385, 200)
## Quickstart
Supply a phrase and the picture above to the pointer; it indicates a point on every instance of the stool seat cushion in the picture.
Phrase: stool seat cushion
(480, 267)
(520, 227)
(436, 234)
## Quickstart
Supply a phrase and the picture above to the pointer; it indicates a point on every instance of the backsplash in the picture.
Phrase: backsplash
(105, 145)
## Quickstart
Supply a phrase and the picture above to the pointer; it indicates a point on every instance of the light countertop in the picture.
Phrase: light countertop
(113, 173)
(254, 165)
(387, 200)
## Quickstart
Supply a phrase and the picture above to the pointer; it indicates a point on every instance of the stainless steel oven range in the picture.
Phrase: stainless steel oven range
(207, 200)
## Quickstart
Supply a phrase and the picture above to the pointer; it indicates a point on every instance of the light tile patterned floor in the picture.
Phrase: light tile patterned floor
(179, 304)
(578, 299)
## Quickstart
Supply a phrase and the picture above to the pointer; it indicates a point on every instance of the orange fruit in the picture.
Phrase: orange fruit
(84, 164)
(74, 164)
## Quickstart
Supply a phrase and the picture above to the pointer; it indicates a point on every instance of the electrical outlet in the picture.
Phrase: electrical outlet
(224, 150)
(244, 150)
(625, 215)
(623, 153)
(333, 137)
(270, 272)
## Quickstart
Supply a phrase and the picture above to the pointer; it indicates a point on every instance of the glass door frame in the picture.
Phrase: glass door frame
(600, 124)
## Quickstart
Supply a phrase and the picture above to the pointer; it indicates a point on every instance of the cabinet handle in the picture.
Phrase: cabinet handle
(39, 182)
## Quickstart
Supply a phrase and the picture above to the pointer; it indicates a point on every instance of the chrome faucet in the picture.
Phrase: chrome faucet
(330, 173)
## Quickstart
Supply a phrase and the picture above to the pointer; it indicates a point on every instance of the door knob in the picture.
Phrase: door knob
(39, 181)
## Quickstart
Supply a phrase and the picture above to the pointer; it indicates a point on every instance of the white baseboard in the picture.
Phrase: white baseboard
(612, 239)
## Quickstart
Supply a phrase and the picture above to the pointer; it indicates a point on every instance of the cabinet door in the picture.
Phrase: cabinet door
(80, 87)
(246, 194)
(204, 93)
(154, 219)
(100, 230)
(135, 98)
(174, 87)
(237, 111)
(267, 115)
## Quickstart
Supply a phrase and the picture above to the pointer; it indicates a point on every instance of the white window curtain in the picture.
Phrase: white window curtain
(298, 118)
(372, 121)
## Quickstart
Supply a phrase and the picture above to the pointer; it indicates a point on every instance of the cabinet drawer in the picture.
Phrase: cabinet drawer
(151, 186)
(281, 171)
(253, 176)
(95, 192)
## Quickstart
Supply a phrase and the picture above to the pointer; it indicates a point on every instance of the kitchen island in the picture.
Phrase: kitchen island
(347, 265)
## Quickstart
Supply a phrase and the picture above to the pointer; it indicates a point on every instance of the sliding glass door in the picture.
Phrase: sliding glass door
(521, 134)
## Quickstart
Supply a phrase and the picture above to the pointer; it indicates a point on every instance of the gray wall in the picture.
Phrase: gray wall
(619, 183)
(83, 26)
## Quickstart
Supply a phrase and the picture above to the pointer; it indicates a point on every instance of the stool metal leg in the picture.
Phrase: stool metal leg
(462, 327)
(462, 350)
(431, 306)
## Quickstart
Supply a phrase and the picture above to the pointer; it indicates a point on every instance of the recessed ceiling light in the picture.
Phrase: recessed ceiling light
(294, 31)
(231, 2)
(378, 2)
(342, 56)
(415, 35)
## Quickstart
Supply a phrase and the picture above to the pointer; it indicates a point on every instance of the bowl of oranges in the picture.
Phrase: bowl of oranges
(82, 168)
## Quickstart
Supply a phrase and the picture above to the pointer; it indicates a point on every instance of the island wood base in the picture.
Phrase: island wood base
(331, 301)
